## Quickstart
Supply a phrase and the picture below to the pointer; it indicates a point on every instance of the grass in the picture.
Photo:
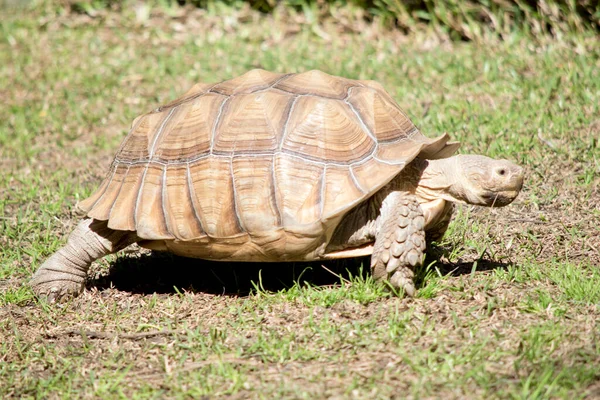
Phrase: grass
(508, 304)
(459, 19)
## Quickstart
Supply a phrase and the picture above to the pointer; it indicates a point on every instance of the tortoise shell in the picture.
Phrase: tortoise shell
(260, 167)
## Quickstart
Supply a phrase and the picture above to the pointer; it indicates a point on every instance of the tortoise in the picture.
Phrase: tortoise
(279, 167)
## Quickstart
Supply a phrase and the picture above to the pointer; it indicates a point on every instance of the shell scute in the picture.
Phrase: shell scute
(122, 212)
(150, 211)
(317, 83)
(182, 216)
(190, 132)
(255, 195)
(214, 199)
(384, 120)
(252, 81)
(298, 190)
(365, 171)
(102, 207)
(136, 145)
(326, 130)
(252, 123)
(197, 90)
(340, 189)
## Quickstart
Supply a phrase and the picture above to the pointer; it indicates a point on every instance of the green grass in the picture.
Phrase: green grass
(458, 19)
(508, 303)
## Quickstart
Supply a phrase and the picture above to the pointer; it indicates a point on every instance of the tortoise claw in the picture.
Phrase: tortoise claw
(401, 281)
(45, 284)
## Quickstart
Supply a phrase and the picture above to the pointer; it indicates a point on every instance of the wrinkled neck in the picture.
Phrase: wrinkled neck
(437, 179)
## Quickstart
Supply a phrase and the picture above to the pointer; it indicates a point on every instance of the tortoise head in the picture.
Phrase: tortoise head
(473, 179)
(487, 182)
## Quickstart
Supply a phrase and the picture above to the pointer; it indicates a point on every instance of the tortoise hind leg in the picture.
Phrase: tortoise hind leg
(399, 242)
(64, 273)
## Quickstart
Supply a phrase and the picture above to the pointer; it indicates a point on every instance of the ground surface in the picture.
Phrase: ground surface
(508, 308)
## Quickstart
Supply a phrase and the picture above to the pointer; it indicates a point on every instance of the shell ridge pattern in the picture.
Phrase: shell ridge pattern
(354, 180)
(160, 131)
(274, 192)
(397, 140)
(287, 120)
(322, 192)
(216, 124)
(362, 123)
(216, 91)
(304, 157)
(192, 194)
(269, 121)
(163, 194)
(134, 127)
(139, 195)
(409, 135)
(178, 102)
(218, 119)
(323, 96)
(283, 78)
(114, 171)
(236, 210)
(349, 82)
(317, 161)
(119, 192)
(413, 132)
(388, 162)
(271, 86)
(293, 146)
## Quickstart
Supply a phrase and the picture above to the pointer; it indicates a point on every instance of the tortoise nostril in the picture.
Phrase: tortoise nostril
(501, 172)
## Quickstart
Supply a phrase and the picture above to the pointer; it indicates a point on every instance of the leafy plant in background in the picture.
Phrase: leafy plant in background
(461, 19)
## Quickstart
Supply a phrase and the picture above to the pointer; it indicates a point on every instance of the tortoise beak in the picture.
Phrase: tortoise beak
(516, 177)
(500, 199)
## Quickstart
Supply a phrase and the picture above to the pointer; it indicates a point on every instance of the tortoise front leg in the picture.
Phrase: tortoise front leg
(64, 273)
(399, 241)
(438, 214)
